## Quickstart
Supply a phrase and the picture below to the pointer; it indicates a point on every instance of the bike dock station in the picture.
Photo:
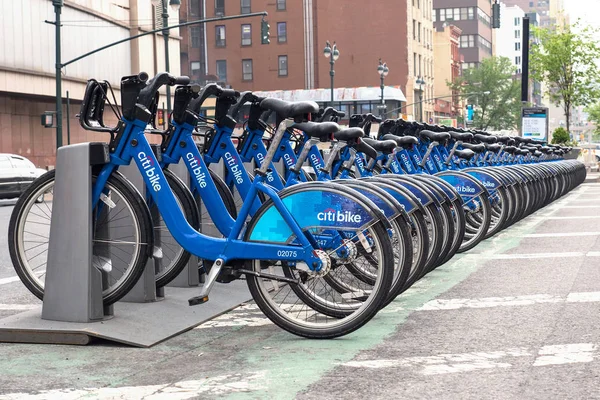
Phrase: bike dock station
(73, 310)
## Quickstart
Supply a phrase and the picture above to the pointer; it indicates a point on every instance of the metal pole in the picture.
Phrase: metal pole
(382, 101)
(420, 103)
(331, 73)
(68, 117)
(165, 17)
(525, 61)
(57, 9)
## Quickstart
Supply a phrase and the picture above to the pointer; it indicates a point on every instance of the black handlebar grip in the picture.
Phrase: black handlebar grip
(181, 80)
(363, 147)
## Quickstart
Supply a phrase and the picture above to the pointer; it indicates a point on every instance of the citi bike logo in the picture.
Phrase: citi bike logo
(359, 163)
(199, 175)
(150, 170)
(331, 215)
(288, 160)
(233, 164)
(488, 184)
(315, 160)
(261, 158)
(465, 189)
(406, 161)
(437, 160)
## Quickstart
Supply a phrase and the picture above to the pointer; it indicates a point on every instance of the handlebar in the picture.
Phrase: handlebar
(362, 147)
(245, 97)
(146, 95)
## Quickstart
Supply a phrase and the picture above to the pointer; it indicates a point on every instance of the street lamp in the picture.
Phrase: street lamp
(382, 70)
(333, 54)
(165, 19)
(420, 82)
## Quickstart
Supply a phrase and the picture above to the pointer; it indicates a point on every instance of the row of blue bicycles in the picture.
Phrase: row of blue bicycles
(326, 225)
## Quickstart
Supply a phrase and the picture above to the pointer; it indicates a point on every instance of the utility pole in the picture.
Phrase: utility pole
(165, 32)
(57, 10)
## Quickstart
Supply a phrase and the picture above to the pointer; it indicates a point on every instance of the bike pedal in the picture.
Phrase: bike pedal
(194, 301)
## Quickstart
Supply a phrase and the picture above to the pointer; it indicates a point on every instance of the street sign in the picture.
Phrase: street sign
(534, 122)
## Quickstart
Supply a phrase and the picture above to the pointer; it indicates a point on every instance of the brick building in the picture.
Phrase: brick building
(447, 69)
(399, 32)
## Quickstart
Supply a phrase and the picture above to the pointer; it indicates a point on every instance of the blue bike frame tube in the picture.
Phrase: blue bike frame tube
(137, 147)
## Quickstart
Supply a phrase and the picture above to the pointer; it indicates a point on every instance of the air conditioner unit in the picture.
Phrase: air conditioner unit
(219, 13)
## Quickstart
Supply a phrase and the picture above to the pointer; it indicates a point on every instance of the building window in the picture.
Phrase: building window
(283, 66)
(195, 68)
(415, 63)
(419, 32)
(246, 35)
(420, 58)
(518, 60)
(281, 32)
(483, 17)
(517, 33)
(246, 70)
(195, 36)
(280, 5)
(414, 29)
(220, 36)
(467, 41)
(219, 7)
(194, 8)
(517, 46)
(222, 70)
(471, 12)
(245, 5)
(434, 16)
(517, 21)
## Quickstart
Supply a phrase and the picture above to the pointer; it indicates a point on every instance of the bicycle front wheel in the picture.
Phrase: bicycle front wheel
(122, 235)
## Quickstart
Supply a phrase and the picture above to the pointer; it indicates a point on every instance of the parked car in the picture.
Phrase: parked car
(16, 174)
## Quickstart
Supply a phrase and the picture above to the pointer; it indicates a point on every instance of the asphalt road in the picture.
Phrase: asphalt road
(518, 317)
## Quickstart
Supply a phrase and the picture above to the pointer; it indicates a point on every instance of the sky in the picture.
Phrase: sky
(587, 10)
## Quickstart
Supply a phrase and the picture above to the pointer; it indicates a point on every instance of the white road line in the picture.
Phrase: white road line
(580, 207)
(566, 354)
(216, 386)
(565, 234)
(509, 301)
(17, 307)
(12, 279)
(448, 363)
(530, 256)
(467, 362)
(574, 217)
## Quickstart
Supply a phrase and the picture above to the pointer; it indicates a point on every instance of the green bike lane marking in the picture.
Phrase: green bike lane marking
(296, 364)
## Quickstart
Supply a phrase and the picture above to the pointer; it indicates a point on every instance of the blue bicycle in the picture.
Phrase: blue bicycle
(304, 233)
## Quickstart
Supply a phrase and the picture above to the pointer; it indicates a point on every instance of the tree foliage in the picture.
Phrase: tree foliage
(594, 116)
(560, 136)
(565, 60)
(497, 103)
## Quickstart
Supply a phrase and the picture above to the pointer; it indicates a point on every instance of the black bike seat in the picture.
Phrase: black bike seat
(288, 109)
(477, 148)
(503, 139)
(462, 136)
(349, 134)
(434, 136)
(510, 149)
(321, 130)
(404, 141)
(465, 154)
(546, 149)
(485, 138)
(522, 152)
(383, 146)
(493, 147)
(537, 153)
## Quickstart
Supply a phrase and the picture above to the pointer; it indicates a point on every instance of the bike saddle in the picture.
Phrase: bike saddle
(462, 136)
(288, 109)
(403, 141)
(537, 153)
(465, 154)
(321, 130)
(383, 146)
(510, 149)
(503, 139)
(522, 152)
(433, 136)
(485, 139)
(349, 134)
(477, 148)
(546, 149)
(493, 147)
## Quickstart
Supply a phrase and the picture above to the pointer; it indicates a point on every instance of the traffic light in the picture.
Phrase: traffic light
(264, 32)
(496, 15)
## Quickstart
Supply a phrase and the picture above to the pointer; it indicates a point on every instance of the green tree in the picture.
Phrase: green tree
(496, 93)
(594, 116)
(565, 60)
(560, 136)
